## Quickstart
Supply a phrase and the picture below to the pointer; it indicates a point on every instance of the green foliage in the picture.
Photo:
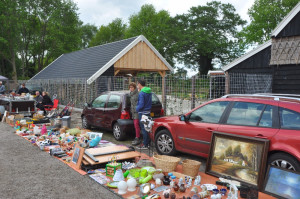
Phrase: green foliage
(114, 31)
(156, 27)
(237, 150)
(36, 32)
(208, 33)
(228, 151)
(265, 15)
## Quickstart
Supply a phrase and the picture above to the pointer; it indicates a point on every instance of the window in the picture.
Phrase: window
(99, 102)
(245, 113)
(266, 119)
(210, 113)
(155, 99)
(114, 101)
(289, 119)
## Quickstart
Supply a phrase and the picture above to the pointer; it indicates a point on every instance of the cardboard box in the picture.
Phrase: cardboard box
(19, 116)
(10, 119)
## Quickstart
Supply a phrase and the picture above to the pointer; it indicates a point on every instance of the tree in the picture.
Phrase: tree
(88, 31)
(156, 27)
(228, 151)
(265, 16)
(10, 17)
(114, 31)
(237, 150)
(207, 35)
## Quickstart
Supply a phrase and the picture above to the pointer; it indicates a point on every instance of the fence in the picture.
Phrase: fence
(180, 96)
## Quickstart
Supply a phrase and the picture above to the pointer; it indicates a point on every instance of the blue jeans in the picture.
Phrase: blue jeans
(146, 138)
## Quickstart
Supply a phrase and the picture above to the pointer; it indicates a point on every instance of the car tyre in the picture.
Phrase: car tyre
(118, 133)
(164, 143)
(284, 160)
(85, 124)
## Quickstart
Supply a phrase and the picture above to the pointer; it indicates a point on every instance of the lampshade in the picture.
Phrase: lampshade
(118, 175)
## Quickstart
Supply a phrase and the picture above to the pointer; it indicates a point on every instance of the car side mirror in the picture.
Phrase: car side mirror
(182, 118)
(86, 104)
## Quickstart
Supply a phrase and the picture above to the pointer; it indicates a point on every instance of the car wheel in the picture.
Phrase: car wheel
(85, 124)
(164, 143)
(285, 161)
(118, 133)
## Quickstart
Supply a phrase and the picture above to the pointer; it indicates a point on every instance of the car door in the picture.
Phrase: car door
(195, 133)
(251, 119)
(112, 110)
(98, 107)
(156, 106)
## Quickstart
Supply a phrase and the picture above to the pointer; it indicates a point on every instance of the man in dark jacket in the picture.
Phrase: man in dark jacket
(144, 108)
(23, 89)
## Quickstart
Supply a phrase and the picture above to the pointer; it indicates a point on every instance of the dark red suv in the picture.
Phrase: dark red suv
(272, 117)
(111, 110)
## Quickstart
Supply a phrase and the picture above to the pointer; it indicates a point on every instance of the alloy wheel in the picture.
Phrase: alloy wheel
(165, 143)
(283, 164)
(117, 131)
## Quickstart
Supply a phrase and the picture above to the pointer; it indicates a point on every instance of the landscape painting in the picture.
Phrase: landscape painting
(242, 158)
(282, 183)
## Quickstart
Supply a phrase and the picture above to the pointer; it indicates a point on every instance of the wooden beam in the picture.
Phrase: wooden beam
(162, 73)
(116, 72)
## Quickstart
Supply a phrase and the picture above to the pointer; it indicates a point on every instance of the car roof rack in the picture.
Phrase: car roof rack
(268, 96)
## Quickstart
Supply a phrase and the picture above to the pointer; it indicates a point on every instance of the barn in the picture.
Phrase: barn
(279, 57)
(95, 64)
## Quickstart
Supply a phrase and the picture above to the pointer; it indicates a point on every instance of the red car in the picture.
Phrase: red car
(272, 117)
(111, 110)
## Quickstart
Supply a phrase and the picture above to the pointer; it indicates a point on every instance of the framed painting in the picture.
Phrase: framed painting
(282, 183)
(238, 157)
(77, 156)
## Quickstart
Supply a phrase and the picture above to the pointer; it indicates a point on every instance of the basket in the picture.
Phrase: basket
(165, 163)
(190, 167)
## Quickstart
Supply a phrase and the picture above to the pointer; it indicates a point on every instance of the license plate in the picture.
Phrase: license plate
(152, 114)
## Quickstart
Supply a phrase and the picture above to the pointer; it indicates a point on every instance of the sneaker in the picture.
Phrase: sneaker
(136, 141)
(142, 147)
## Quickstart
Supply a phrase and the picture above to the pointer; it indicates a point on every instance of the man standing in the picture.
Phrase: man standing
(23, 89)
(144, 108)
(2, 88)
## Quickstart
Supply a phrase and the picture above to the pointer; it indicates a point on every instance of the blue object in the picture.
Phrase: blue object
(94, 142)
(173, 177)
(170, 174)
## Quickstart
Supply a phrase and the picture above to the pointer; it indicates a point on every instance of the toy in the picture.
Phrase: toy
(94, 142)
(44, 130)
(197, 180)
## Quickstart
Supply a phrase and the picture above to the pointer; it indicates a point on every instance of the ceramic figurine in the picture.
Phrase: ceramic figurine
(173, 196)
(182, 188)
(197, 180)
(158, 181)
(176, 187)
(166, 180)
(172, 183)
(180, 181)
(189, 184)
(233, 192)
(166, 193)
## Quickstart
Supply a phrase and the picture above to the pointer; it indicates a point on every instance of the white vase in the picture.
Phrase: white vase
(131, 183)
(122, 187)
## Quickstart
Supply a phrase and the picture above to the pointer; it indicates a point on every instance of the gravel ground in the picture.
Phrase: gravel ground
(27, 172)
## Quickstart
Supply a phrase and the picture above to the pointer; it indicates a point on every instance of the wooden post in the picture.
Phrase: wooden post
(193, 92)
(227, 83)
(163, 89)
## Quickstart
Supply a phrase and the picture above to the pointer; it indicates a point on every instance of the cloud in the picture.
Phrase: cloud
(100, 12)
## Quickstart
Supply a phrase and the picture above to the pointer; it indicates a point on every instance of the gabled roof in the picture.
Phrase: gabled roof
(286, 20)
(123, 52)
(90, 63)
(275, 32)
(247, 55)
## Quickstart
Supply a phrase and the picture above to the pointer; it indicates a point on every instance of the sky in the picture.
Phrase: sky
(102, 12)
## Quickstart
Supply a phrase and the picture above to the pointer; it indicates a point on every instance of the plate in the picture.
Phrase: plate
(210, 187)
(113, 184)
